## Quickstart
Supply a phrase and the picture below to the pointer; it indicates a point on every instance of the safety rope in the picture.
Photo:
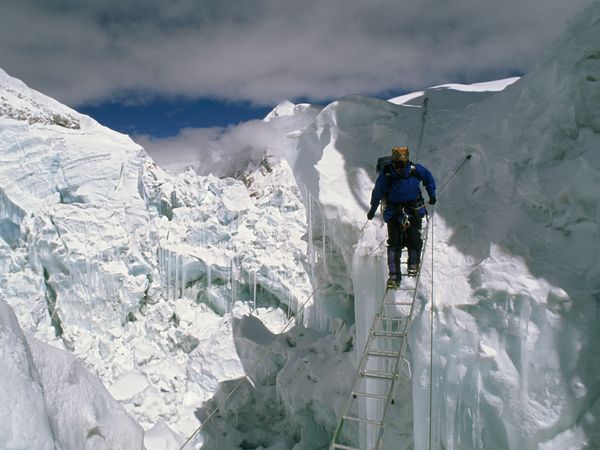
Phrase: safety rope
(423, 120)
(265, 352)
(467, 158)
(431, 335)
(432, 309)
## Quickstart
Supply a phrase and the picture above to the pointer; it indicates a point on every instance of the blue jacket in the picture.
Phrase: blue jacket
(401, 188)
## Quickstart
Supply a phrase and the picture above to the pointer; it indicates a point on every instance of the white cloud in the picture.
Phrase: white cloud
(222, 151)
(266, 50)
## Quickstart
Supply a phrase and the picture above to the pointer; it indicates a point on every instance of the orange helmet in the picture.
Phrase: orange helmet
(400, 154)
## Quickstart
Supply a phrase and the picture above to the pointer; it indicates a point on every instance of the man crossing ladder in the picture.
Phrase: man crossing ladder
(398, 185)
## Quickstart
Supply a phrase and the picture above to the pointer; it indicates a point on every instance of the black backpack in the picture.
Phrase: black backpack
(385, 163)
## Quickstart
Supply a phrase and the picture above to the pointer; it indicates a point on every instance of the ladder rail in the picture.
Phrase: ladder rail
(361, 367)
(380, 317)
(403, 345)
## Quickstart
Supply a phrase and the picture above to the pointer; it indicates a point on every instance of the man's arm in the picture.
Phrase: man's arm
(377, 195)
(428, 182)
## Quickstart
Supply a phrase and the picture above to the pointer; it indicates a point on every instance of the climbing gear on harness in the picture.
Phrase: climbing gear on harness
(403, 218)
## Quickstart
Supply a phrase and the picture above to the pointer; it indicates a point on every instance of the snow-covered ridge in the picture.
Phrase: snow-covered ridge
(416, 98)
(20, 103)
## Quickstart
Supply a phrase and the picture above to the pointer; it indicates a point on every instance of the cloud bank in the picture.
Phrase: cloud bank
(268, 50)
(224, 150)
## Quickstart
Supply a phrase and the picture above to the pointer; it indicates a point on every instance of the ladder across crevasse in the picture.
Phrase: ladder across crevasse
(361, 425)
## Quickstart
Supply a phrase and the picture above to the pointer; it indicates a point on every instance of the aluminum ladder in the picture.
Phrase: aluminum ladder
(361, 425)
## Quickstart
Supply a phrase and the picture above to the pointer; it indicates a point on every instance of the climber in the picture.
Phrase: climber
(404, 208)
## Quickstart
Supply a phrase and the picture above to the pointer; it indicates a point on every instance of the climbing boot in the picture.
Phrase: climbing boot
(393, 284)
(413, 270)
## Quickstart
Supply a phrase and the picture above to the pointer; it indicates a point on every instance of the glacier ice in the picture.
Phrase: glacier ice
(129, 267)
(52, 401)
(157, 279)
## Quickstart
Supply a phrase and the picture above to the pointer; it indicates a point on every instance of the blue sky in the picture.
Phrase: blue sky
(162, 118)
(158, 69)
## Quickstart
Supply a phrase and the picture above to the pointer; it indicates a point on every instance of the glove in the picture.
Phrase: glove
(371, 213)
(432, 200)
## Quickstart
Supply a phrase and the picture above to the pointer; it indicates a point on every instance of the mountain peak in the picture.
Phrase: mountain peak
(19, 102)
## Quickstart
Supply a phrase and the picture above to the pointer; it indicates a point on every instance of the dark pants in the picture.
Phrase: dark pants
(398, 237)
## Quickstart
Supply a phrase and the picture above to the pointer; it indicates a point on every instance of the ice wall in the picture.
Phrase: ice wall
(24, 423)
(515, 258)
(51, 401)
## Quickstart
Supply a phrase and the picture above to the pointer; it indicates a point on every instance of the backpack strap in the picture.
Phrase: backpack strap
(412, 172)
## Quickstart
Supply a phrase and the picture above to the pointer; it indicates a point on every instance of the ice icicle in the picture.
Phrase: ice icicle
(254, 291)
(176, 283)
(208, 278)
(232, 286)
(347, 286)
(168, 280)
(183, 277)
(324, 244)
(160, 260)
(524, 332)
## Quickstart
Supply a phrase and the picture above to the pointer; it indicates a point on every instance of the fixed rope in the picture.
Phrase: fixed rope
(423, 120)
(431, 337)
(265, 352)
(467, 158)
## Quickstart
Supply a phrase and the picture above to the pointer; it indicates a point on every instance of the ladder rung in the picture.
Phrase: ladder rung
(383, 354)
(367, 394)
(396, 334)
(392, 319)
(344, 447)
(398, 303)
(360, 419)
(375, 374)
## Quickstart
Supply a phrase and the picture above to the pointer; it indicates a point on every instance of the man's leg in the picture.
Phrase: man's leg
(414, 243)
(394, 249)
